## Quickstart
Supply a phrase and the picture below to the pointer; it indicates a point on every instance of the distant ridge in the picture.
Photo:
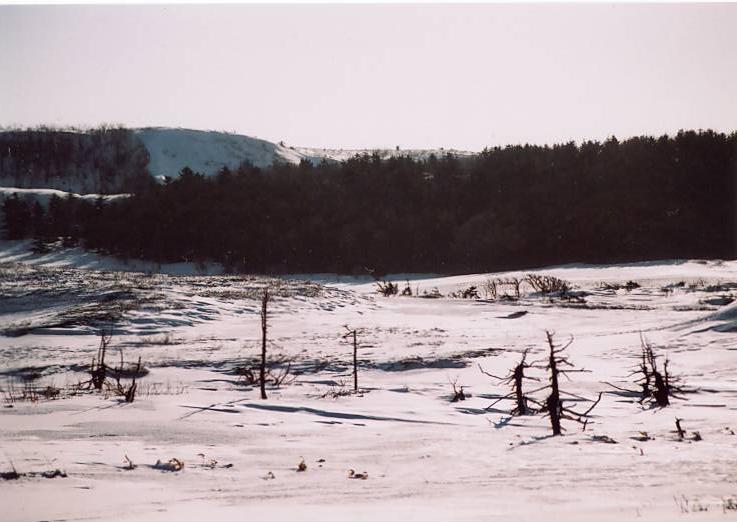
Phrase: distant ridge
(206, 152)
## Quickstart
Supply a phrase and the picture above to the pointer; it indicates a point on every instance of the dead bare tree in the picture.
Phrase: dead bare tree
(557, 364)
(352, 333)
(656, 387)
(515, 283)
(107, 378)
(129, 393)
(98, 369)
(491, 288)
(264, 331)
(515, 377)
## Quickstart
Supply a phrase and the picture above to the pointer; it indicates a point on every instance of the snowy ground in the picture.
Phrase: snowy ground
(426, 458)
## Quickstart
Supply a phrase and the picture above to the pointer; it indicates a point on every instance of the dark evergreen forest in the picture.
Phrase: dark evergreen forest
(512, 207)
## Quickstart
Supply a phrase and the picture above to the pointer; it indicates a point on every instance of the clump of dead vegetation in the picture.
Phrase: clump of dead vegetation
(655, 382)
(613, 287)
(387, 288)
(545, 284)
(507, 289)
(107, 379)
(657, 385)
(14, 474)
(458, 391)
(470, 292)
(434, 293)
(32, 392)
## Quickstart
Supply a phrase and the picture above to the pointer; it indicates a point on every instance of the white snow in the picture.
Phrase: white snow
(317, 154)
(20, 251)
(172, 149)
(426, 458)
(44, 195)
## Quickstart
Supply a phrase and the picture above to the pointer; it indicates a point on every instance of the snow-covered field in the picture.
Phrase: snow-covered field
(426, 458)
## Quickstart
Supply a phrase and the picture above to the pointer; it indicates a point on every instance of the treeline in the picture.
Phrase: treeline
(518, 206)
(102, 160)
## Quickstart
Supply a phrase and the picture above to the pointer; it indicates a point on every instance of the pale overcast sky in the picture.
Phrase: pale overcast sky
(353, 76)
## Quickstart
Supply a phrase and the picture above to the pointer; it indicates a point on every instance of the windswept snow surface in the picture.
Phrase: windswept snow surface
(426, 458)
(21, 252)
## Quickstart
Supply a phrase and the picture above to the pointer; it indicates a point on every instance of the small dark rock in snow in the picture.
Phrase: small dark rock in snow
(514, 315)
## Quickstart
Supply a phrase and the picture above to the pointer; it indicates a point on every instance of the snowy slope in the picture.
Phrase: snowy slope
(206, 152)
(171, 150)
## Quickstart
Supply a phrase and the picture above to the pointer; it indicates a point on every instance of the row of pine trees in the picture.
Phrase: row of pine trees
(512, 207)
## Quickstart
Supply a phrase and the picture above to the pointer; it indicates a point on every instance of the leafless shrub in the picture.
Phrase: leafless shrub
(164, 339)
(515, 283)
(387, 288)
(157, 388)
(467, 293)
(275, 376)
(491, 288)
(628, 286)
(106, 379)
(656, 387)
(31, 392)
(339, 389)
(432, 294)
(546, 284)
(98, 368)
(458, 393)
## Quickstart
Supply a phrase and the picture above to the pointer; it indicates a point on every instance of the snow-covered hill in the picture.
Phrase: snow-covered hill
(109, 160)
(170, 150)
